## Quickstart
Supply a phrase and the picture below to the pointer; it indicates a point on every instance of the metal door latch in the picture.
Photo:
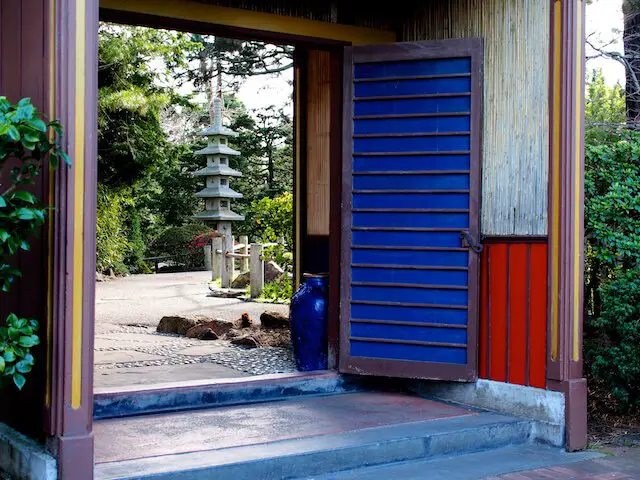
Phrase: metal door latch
(469, 241)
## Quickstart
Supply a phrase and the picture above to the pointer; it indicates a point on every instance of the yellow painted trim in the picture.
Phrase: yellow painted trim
(52, 115)
(557, 79)
(241, 18)
(78, 204)
(578, 178)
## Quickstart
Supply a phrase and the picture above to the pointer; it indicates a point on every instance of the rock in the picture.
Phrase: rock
(274, 320)
(248, 342)
(175, 324)
(241, 280)
(272, 271)
(274, 338)
(233, 334)
(219, 326)
(245, 320)
(202, 332)
(100, 277)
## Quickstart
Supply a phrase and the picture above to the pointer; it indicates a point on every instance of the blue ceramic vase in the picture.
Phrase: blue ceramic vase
(309, 323)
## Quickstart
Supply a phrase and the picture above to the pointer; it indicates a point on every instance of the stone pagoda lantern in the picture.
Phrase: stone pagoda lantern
(217, 194)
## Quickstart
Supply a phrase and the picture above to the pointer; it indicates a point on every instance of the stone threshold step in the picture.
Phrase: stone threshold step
(473, 466)
(324, 454)
(178, 396)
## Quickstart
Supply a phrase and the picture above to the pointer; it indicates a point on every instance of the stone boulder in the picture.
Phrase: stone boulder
(219, 326)
(202, 332)
(245, 320)
(274, 320)
(246, 341)
(175, 324)
(241, 280)
(231, 334)
(272, 272)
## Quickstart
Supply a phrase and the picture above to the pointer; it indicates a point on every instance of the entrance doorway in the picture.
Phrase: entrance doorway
(142, 319)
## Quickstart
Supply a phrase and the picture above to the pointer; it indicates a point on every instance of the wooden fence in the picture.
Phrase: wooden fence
(249, 258)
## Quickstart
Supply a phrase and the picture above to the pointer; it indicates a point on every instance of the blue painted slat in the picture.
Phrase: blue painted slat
(408, 125)
(429, 220)
(406, 257)
(409, 314)
(413, 87)
(433, 296)
(403, 182)
(389, 163)
(408, 352)
(404, 332)
(420, 67)
(446, 143)
(412, 239)
(396, 275)
(414, 105)
(385, 198)
(410, 200)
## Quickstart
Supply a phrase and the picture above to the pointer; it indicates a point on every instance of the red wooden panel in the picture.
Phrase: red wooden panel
(498, 312)
(518, 285)
(483, 331)
(538, 316)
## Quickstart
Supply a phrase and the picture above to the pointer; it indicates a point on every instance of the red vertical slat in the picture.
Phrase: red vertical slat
(517, 314)
(538, 316)
(484, 318)
(498, 312)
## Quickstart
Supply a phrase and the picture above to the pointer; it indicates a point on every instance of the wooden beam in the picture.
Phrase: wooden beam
(250, 20)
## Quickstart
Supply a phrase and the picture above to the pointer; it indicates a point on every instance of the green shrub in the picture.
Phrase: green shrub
(278, 291)
(612, 266)
(111, 231)
(270, 219)
(614, 355)
(178, 243)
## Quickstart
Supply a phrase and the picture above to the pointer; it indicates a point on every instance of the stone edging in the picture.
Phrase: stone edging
(23, 458)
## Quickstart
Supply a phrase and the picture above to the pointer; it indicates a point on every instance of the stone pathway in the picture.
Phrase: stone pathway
(128, 350)
(619, 463)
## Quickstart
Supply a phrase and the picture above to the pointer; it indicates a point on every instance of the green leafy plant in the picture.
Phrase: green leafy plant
(26, 143)
(278, 291)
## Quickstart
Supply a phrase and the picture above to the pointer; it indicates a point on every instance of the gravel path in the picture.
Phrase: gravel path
(129, 309)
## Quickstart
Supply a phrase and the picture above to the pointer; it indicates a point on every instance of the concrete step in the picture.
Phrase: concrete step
(180, 396)
(473, 466)
(306, 457)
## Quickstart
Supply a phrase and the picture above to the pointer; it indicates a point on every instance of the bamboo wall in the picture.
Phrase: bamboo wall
(318, 130)
(516, 104)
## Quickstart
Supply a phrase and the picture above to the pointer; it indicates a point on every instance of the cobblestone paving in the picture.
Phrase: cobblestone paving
(257, 361)
(129, 309)
(618, 464)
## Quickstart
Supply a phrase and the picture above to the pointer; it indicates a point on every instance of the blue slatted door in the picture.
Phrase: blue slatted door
(410, 190)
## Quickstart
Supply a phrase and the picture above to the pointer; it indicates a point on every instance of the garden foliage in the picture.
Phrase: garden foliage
(612, 247)
(612, 267)
(27, 143)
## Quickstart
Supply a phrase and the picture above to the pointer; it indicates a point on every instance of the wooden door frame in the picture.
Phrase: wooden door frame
(467, 47)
